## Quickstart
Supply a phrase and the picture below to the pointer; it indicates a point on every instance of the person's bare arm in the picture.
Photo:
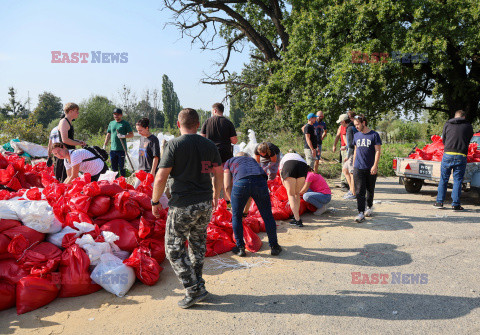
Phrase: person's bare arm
(155, 162)
(257, 158)
(324, 134)
(234, 139)
(129, 135)
(72, 173)
(378, 151)
(63, 128)
(227, 183)
(159, 188)
(50, 147)
(107, 139)
(305, 187)
(337, 137)
(309, 142)
(354, 155)
(273, 159)
(217, 183)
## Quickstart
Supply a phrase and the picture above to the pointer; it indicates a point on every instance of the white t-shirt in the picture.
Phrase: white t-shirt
(93, 167)
(291, 157)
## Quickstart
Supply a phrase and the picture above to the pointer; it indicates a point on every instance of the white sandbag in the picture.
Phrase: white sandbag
(122, 254)
(84, 227)
(6, 211)
(57, 238)
(34, 150)
(113, 275)
(39, 216)
(109, 176)
(111, 238)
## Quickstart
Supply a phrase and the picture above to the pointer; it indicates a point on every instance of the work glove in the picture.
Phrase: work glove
(103, 147)
(121, 136)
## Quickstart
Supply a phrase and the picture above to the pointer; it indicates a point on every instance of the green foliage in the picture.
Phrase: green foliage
(14, 107)
(204, 115)
(171, 104)
(95, 115)
(23, 129)
(48, 109)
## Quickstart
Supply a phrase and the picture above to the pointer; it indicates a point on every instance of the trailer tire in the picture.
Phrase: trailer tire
(413, 185)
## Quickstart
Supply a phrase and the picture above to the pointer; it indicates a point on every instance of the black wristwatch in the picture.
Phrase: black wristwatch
(154, 203)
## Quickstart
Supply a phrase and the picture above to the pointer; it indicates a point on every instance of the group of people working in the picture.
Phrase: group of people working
(69, 161)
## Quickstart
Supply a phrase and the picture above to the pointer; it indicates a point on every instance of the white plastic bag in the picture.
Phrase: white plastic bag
(6, 211)
(34, 150)
(57, 238)
(109, 176)
(113, 275)
(84, 227)
(39, 216)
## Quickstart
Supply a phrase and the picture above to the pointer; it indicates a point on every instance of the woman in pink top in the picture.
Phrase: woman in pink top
(316, 192)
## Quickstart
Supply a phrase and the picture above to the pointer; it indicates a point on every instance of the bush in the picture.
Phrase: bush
(23, 129)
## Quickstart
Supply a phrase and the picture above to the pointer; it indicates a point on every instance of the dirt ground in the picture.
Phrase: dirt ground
(310, 288)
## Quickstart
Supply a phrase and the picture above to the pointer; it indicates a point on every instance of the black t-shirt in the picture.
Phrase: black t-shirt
(274, 150)
(309, 129)
(191, 158)
(219, 129)
(149, 148)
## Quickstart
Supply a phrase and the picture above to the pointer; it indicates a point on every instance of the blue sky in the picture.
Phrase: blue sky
(32, 29)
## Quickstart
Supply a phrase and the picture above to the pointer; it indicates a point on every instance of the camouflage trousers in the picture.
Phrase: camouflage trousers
(188, 224)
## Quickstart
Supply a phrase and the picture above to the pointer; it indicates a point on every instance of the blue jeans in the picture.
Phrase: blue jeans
(118, 161)
(255, 187)
(458, 164)
(317, 199)
(319, 151)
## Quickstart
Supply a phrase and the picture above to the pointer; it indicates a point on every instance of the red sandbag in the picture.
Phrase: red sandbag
(11, 271)
(31, 235)
(38, 259)
(91, 189)
(4, 242)
(148, 215)
(157, 249)
(253, 223)
(81, 203)
(3, 162)
(146, 268)
(34, 292)
(145, 228)
(253, 243)
(281, 193)
(33, 194)
(75, 275)
(222, 213)
(108, 188)
(34, 179)
(114, 214)
(6, 175)
(7, 294)
(159, 230)
(126, 205)
(128, 236)
(7, 224)
(75, 216)
(99, 205)
(142, 199)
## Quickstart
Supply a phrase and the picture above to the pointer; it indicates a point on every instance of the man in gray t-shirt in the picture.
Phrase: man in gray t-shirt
(189, 160)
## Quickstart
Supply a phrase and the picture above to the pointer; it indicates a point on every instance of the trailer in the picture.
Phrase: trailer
(414, 173)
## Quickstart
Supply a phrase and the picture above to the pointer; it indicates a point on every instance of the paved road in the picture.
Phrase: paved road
(323, 283)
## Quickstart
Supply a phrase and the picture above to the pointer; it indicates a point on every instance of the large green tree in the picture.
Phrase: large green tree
(95, 115)
(14, 107)
(48, 109)
(170, 101)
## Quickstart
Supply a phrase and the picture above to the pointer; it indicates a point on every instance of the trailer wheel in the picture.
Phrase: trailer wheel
(413, 185)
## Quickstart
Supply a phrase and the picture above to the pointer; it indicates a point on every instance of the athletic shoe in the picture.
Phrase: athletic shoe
(360, 217)
(276, 250)
(349, 196)
(189, 301)
(369, 212)
(239, 251)
(293, 222)
(438, 205)
(457, 208)
(320, 210)
(299, 223)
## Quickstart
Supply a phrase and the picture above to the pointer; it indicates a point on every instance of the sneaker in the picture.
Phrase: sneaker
(320, 210)
(276, 250)
(299, 223)
(457, 208)
(189, 301)
(349, 196)
(360, 217)
(239, 251)
(438, 205)
(293, 222)
(369, 212)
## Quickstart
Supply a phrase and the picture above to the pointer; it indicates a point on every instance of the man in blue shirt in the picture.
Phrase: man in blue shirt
(365, 165)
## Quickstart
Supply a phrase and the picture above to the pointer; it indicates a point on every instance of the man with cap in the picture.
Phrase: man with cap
(342, 136)
(310, 141)
(118, 131)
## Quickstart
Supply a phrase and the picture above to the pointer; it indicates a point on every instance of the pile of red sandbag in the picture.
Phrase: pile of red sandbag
(16, 175)
(434, 151)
